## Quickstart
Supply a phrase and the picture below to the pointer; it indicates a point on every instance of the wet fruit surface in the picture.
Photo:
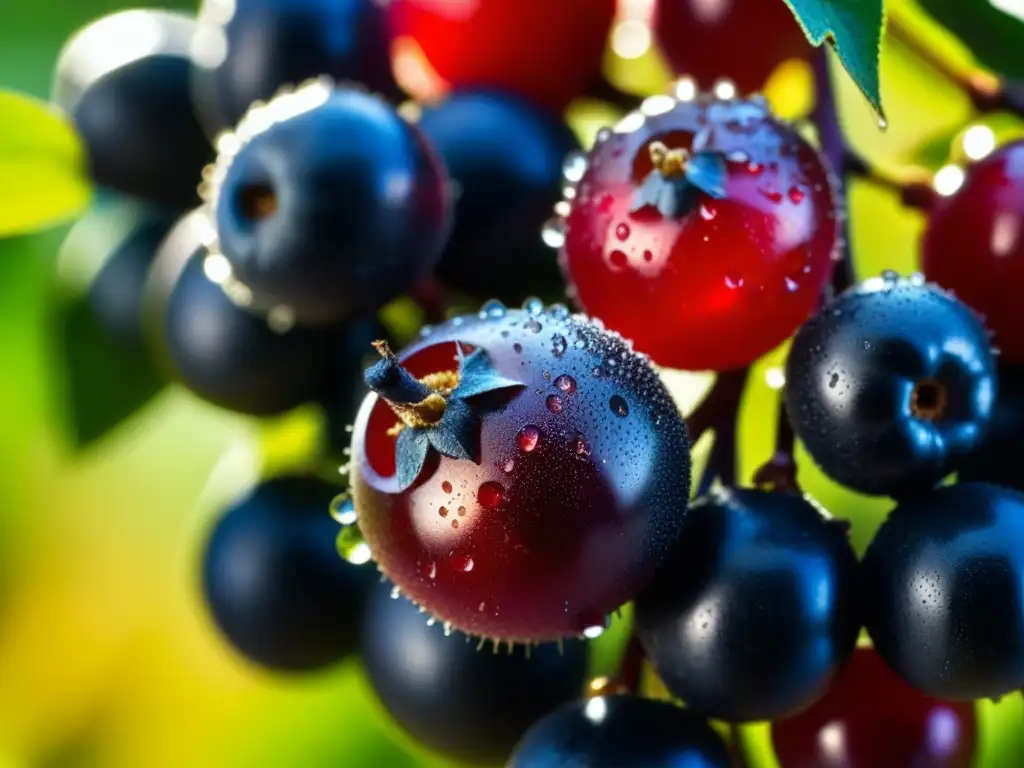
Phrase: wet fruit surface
(751, 266)
(575, 494)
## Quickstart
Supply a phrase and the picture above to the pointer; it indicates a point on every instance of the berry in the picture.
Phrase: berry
(942, 591)
(328, 204)
(124, 81)
(247, 49)
(701, 39)
(232, 358)
(440, 45)
(751, 564)
(536, 497)
(1001, 455)
(614, 731)
(890, 385)
(506, 157)
(274, 582)
(981, 220)
(696, 215)
(870, 717)
(453, 696)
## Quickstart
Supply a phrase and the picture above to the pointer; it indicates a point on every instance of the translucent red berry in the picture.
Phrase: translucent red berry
(545, 483)
(973, 245)
(443, 44)
(704, 230)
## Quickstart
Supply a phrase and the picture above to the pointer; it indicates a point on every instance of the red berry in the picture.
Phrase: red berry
(700, 39)
(494, 44)
(715, 283)
(973, 245)
(870, 718)
(575, 489)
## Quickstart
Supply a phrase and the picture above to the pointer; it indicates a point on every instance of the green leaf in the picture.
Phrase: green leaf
(992, 29)
(43, 178)
(854, 29)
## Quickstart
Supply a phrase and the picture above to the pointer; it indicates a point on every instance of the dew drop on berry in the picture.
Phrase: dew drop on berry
(618, 259)
(733, 281)
(622, 231)
(791, 285)
(489, 495)
(395, 593)
(429, 570)
(492, 310)
(559, 311)
(518, 348)
(707, 212)
(566, 383)
(446, 487)
(533, 306)
(462, 511)
(596, 372)
(553, 233)
(455, 523)
(426, 330)
(619, 406)
(462, 563)
(558, 345)
(352, 547)
(509, 465)
(581, 446)
(555, 404)
(796, 195)
(533, 326)
(443, 511)
(574, 166)
(342, 509)
(648, 256)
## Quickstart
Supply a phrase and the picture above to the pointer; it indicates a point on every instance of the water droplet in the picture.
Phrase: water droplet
(707, 212)
(574, 167)
(533, 306)
(462, 511)
(603, 135)
(528, 438)
(566, 383)
(482, 607)
(446, 487)
(733, 281)
(618, 259)
(596, 372)
(581, 446)
(890, 276)
(426, 330)
(429, 569)
(455, 523)
(489, 495)
(342, 509)
(593, 632)
(462, 563)
(447, 629)
(533, 326)
(517, 347)
(791, 285)
(555, 404)
(509, 465)
(622, 231)
(754, 168)
(796, 195)
(558, 345)
(882, 123)
(546, 375)
(395, 593)
(352, 546)
(648, 256)
(618, 405)
(492, 310)
(553, 233)
(443, 511)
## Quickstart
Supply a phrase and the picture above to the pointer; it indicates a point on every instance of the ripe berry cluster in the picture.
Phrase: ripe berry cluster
(517, 475)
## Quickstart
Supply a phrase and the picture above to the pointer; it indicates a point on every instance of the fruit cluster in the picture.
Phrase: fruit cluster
(517, 475)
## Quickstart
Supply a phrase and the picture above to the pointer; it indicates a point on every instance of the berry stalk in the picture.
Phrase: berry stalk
(719, 412)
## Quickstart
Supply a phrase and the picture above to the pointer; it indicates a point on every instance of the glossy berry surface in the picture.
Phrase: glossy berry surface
(890, 385)
(870, 718)
(1001, 455)
(942, 591)
(328, 203)
(723, 281)
(130, 103)
(452, 696)
(751, 564)
(982, 219)
(506, 157)
(247, 49)
(274, 582)
(613, 731)
(439, 45)
(577, 479)
(233, 358)
(700, 39)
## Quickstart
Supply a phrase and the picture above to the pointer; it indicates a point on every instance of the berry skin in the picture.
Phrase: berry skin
(980, 220)
(576, 483)
(132, 108)
(487, 45)
(872, 718)
(506, 156)
(274, 582)
(1001, 455)
(263, 45)
(700, 39)
(328, 204)
(614, 731)
(941, 583)
(467, 702)
(750, 265)
(890, 385)
(751, 564)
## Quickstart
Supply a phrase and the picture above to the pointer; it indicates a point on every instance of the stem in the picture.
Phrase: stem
(779, 472)
(631, 665)
(913, 185)
(719, 411)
